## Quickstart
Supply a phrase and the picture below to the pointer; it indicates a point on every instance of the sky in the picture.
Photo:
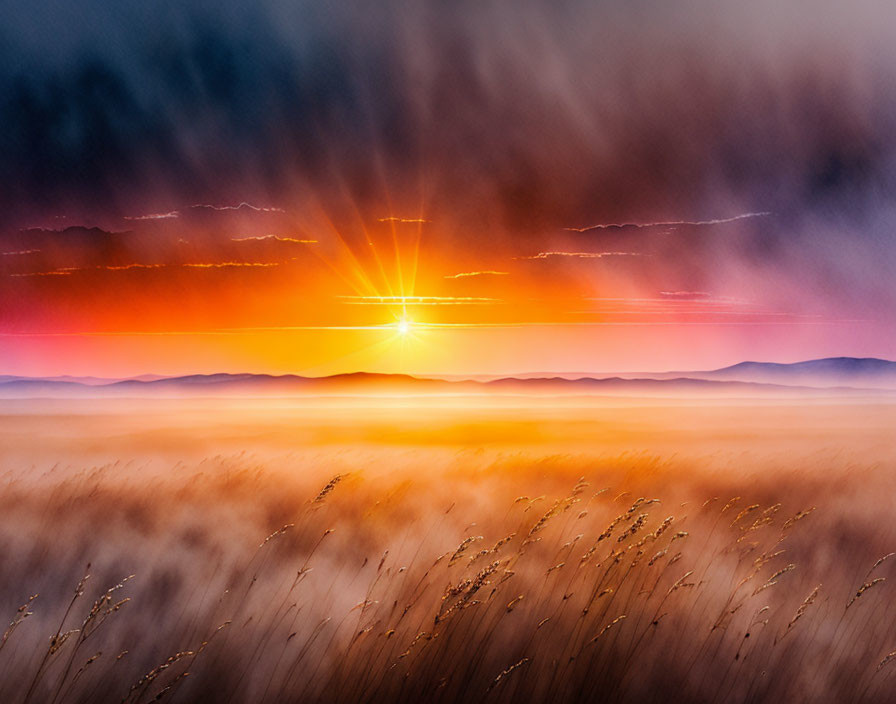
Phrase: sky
(444, 187)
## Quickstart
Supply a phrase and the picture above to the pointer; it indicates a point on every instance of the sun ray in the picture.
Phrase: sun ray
(356, 267)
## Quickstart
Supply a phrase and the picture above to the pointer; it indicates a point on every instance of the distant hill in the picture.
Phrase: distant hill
(827, 372)
(831, 371)
(368, 384)
(86, 380)
(859, 372)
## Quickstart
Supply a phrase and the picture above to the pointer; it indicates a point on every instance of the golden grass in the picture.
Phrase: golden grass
(413, 575)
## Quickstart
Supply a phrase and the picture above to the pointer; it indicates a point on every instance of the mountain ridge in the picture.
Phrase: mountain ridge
(831, 375)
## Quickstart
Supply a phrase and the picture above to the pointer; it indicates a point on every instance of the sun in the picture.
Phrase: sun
(403, 326)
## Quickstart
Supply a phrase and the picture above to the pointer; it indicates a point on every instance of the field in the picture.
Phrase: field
(615, 551)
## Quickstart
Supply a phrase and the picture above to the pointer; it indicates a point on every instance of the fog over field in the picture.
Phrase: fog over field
(283, 551)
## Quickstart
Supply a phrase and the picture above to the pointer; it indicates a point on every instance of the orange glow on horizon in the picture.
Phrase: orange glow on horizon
(268, 290)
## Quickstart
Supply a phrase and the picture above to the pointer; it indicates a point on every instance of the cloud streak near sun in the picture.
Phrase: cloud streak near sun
(467, 274)
(581, 255)
(241, 206)
(137, 266)
(671, 223)
(272, 238)
(155, 216)
(418, 300)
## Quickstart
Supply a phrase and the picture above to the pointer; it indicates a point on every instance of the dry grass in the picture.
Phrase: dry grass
(412, 575)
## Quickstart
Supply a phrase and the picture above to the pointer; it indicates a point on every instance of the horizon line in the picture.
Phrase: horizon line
(432, 375)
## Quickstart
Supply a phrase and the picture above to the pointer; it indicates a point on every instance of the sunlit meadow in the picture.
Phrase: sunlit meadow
(245, 551)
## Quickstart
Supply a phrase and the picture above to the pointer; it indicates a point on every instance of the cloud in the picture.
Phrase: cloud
(272, 238)
(675, 300)
(154, 216)
(417, 300)
(241, 206)
(581, 255)
(125, 267)
(670, 223)
(231, 265)
(465, 274)
(56, 272)
(19, 252)
(128, 267)
(402, 220)
(685, 295)
(72, 231)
